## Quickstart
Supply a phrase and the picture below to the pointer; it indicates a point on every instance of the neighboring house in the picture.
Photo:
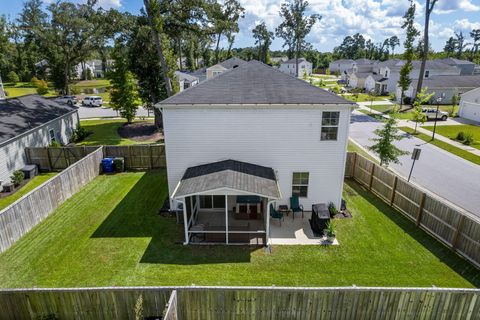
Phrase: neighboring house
(186, 80)
(31, 121)
(371, 82)
(289, 67)
(221, 67)
(95, 67)
(247, 139)
(358, 79)
(278, 60)
(466, 67)
(448, 85)
(340, 66)
(470, 105)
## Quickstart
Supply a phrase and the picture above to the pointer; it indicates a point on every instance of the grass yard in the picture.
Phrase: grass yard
(352, 147)
(29, 186)
(362, 97)
(445, 146)
(109, 234)
(105, 132)
(451, 132)
(22, 89)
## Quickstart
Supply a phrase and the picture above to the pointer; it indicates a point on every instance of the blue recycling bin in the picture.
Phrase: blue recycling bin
(107, 165)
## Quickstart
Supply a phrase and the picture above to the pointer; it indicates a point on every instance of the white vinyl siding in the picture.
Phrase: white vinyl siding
(12, 152)
(283, 138)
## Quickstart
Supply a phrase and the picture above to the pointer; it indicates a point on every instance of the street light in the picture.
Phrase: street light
(439, 100)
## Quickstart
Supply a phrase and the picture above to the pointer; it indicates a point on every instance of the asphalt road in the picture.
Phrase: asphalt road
(100, 112)
(441, 172)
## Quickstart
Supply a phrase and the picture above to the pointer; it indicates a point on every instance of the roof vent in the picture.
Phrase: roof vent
(235, 66)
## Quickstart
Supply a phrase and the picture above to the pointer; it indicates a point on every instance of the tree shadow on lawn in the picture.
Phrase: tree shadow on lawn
(136, 216)
(444, 254)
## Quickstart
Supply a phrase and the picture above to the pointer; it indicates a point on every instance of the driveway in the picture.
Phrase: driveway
(441, 172)
(101, 112)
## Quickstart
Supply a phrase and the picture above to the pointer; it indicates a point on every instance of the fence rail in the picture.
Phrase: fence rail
(456, 228)
(240, 303)
(150, 156)
(25, 213)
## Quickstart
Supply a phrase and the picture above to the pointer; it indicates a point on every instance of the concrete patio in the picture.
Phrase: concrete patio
(295, 232)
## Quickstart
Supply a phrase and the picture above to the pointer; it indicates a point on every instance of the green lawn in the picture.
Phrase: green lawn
(22, 89)
(29, 186)
(362, 97)
(87, 86)
(105, 132)
(445, 146)
(451, 132)
(352, 147)
(110, 234)
(373, 115)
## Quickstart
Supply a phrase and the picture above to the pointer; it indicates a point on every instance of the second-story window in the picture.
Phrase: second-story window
(330, 121)
(427, 73)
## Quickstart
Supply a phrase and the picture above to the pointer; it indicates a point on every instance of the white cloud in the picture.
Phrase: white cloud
(448, 6)
(465, 24)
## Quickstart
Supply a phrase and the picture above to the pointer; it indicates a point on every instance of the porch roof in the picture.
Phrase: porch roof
(228, 176)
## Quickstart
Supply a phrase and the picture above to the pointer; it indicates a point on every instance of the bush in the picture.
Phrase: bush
(80, 134)
(42, 86)
(332, 209)
(468, 139)
(17, 177)
(12, 77)
(55, 144)
(460, 136)
(407, 100)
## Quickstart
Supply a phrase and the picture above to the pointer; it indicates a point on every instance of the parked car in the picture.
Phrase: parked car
(92, 101)
(431, 114)
(70, 100)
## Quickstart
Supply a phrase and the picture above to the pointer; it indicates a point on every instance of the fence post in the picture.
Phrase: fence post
(371, 177)
(151, 155)
(354, 164)
(84, 151)
(49, 159)
(394, 189)
(459, 228)
(420, 209)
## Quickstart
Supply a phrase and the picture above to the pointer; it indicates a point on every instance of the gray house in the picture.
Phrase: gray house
(466, 67)
(31, 121)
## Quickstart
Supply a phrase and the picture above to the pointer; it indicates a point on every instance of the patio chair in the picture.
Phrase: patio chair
(275, 214)
(295, 206)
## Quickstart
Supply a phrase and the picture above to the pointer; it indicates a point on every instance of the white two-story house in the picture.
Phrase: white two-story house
(246, 141)
(289, 67)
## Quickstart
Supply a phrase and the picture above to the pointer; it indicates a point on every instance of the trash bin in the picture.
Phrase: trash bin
(107, 165)
(119, 164)
(320, 218)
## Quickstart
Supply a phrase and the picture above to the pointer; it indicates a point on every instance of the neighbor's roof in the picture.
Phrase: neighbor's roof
(457, 81)
(186, 76)
(453, 61)
(254, 83)
(232, 63)
(377, 77)
(19, 115)
(362, 74)
(290, 61)
(363, 61)
(229, 174)
(342, 61)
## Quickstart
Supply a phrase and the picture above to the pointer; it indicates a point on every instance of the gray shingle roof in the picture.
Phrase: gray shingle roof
(453, 61)
(186, 76)
(290, 61)
(231, 174)
(232, 63)
(457, 81)
(19, 115)
(254, 83)
(362, 75)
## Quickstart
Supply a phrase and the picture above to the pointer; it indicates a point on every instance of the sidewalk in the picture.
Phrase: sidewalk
(411, 124)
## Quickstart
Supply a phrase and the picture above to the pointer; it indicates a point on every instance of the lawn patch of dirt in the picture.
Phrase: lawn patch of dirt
(140, 132)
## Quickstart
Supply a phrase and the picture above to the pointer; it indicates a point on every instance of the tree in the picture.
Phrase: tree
(411, 32)
(12, 77)
(460, 44)
(263, 39)
(224, 19)
(393, 42)
(450, 46)
(422, 98)
(430, 4)
(124, 94)
(355, 47)
(295, 27)
(383, 147)
(475, 35)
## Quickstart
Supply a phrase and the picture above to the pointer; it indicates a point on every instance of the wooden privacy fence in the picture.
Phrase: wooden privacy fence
(454, 227)
(241, 303)
(25, 213)
(148, 156)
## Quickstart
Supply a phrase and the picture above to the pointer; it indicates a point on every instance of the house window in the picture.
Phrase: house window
(216, 73)
(212, 202)
(427, 73)
(51, 132)
(330, 120)
(300, 184)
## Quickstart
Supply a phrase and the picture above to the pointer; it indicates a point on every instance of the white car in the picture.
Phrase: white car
(431, 114)
(92, 101)
(70, 100)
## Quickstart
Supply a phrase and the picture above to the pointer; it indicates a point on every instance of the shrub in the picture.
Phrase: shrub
(407, 100)
(332, 209)
(17, 177)
(80, 134)
(55, 144)
(42, 87)
(460, 136)
(331, 230)
(468, 139)
(12, 77)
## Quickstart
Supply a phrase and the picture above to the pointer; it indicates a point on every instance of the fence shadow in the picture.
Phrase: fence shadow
(444, 254)
(136, 216)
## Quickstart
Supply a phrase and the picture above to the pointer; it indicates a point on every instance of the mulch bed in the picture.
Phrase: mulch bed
(140, 132)
(346, 214)
(4, 193)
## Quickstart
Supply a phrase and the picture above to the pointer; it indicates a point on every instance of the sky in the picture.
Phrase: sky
(375, 19)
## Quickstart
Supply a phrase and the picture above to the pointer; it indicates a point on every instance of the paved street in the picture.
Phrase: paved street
(89, 112)
(439, 171)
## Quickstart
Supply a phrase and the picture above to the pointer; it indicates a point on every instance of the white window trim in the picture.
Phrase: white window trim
(329, 126)
(52, 136)
(301, 184)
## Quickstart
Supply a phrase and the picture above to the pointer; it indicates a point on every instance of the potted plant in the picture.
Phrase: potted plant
(331, 232)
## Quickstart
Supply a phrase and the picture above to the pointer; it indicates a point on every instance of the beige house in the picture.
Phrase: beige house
(221, 67)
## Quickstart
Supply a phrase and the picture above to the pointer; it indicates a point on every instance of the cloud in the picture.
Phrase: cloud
(450, 6)
(465, 24)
